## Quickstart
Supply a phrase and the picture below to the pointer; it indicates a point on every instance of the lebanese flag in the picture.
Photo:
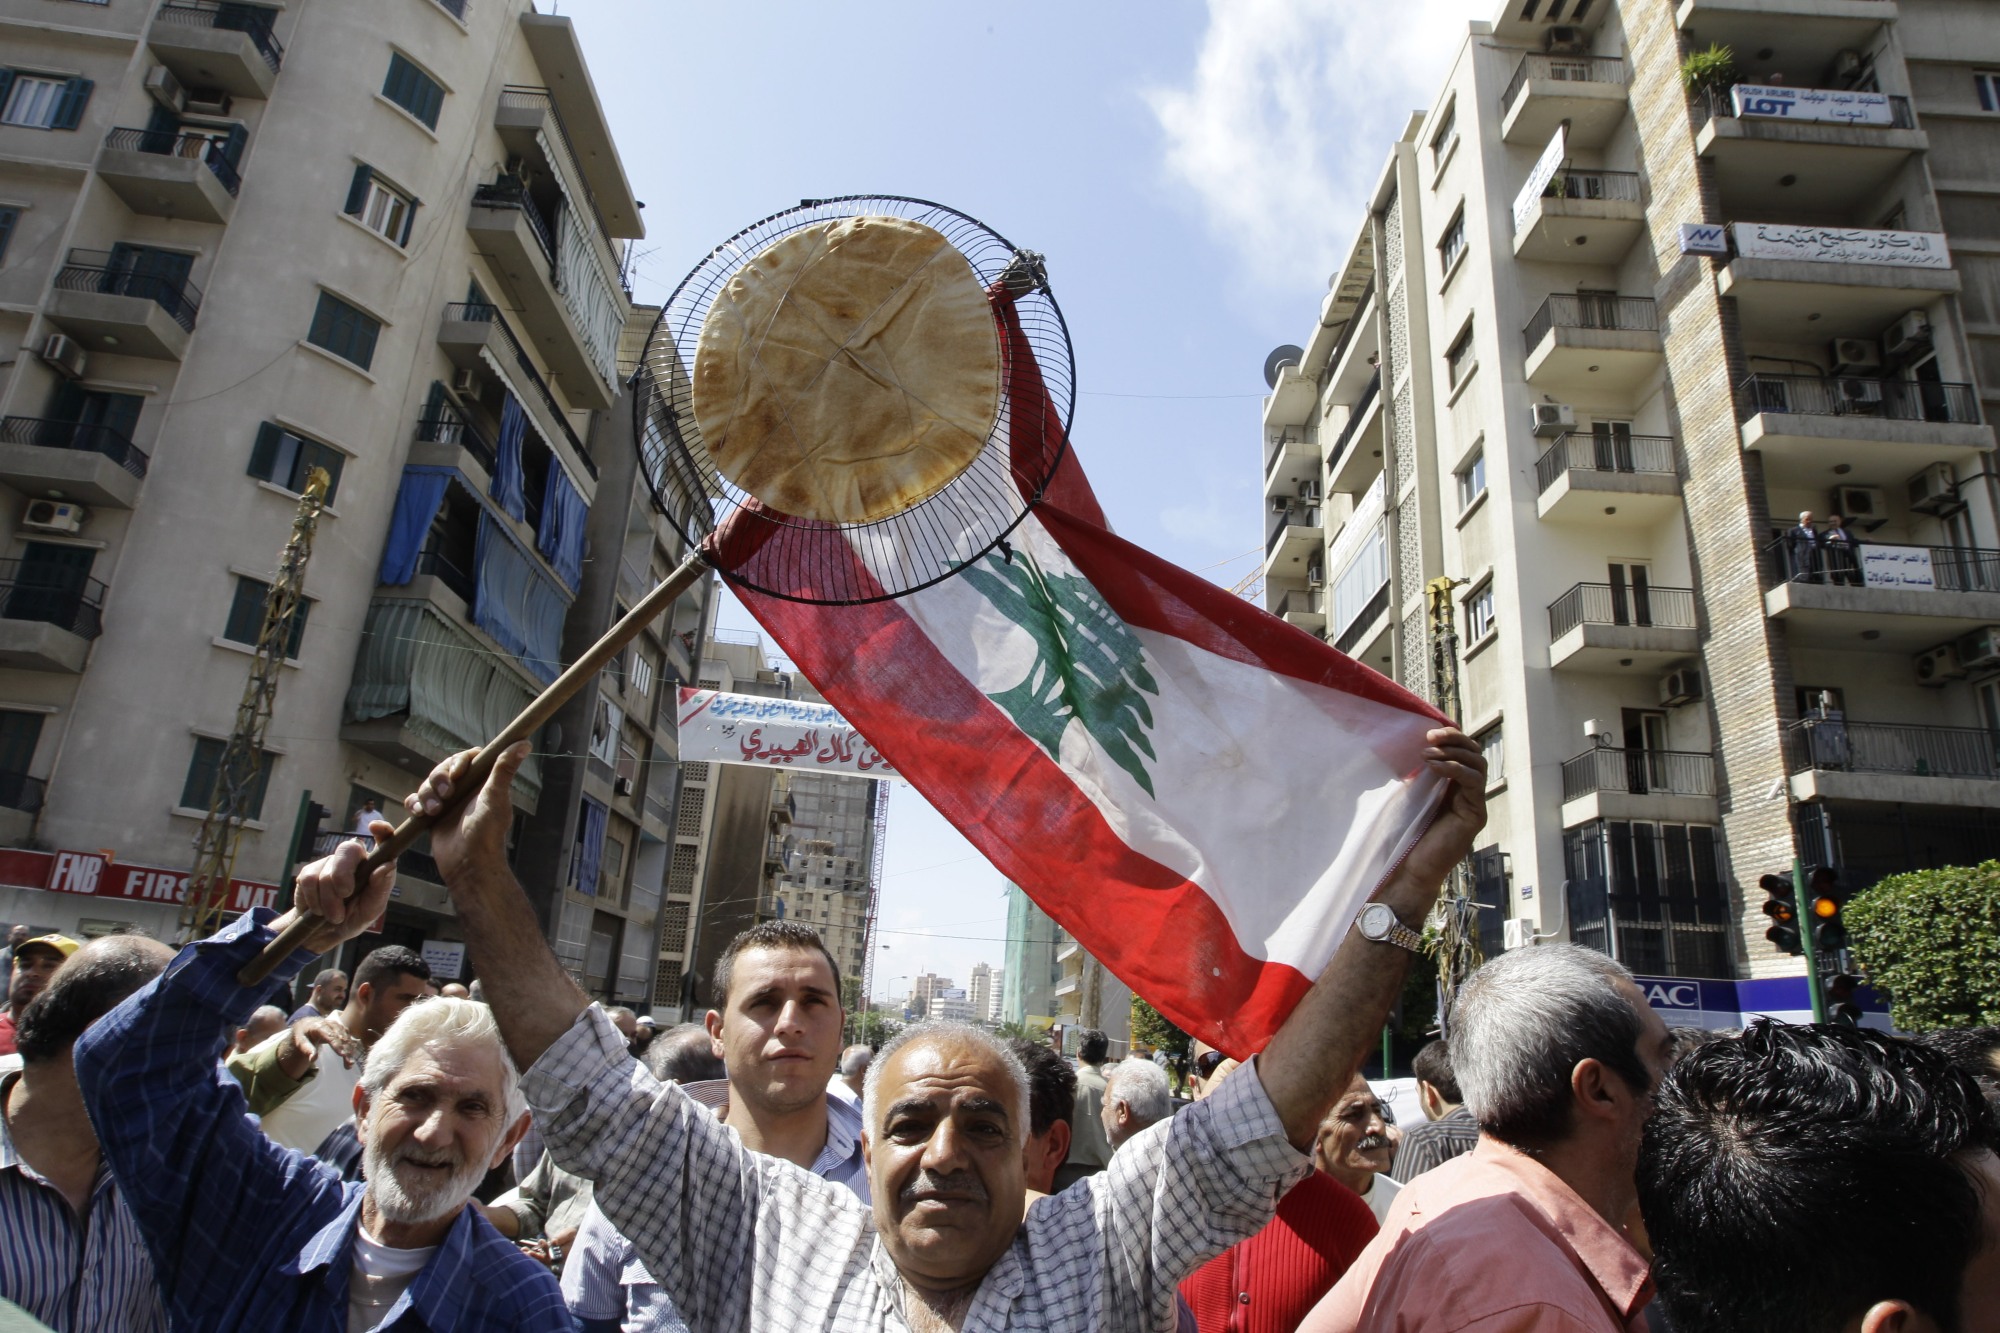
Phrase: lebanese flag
(1201, 794)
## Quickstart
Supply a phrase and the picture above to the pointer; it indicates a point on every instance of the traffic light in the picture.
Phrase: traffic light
(311, 829)
(1829, 933)
(1781, 907)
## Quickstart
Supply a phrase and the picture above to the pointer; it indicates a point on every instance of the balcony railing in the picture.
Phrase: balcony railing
(486, 314)
(20, 792)
(1577, 452)
(1358, 628)
(442, 568)
(1564, 69)
(1354, 420)
(1883, 747)
(76, 605)
(1277, 449)
(1668, 928)
(508, 192)
(1363, 310)
(74, 435)
(1564, 311)
(1581, 183)
(1951, 568)
(96, 271)
(211, 149)
(1294, 516)
(252, 20)
(1619, 604)
(1639, 772)
(515, 95)
(1848, 395)
(446, 426)
(1302, 602)
(1720, 104)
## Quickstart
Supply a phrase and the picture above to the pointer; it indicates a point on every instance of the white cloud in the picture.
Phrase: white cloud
(1289, 114)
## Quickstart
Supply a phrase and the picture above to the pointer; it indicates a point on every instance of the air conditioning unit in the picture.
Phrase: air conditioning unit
(1517, 932)
(1281, 504)
(1980, 649)
(208, 102)
(1858, 393)
(164, 88)
(1856, 356)
(53, 516)
(622, 785)
(65, 356)
(1939, 665)
(1309, 491)
(1934, 491)
(1566, 41)
(1861, 502)
(1680, 687)
(1597, 729)
(464, 380)
(1553, 418)
(1906, 335)
(1315, 576)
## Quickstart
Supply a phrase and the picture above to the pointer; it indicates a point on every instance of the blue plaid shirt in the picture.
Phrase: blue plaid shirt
(246, 1234)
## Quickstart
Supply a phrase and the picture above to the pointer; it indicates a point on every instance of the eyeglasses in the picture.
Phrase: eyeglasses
(1206, 1064)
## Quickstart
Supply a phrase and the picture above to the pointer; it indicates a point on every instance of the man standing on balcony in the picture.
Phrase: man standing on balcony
(365, 817)
(1802, 550)
(1842, 555)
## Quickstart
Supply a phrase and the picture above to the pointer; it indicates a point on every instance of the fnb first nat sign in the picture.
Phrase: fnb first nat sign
(95, 875)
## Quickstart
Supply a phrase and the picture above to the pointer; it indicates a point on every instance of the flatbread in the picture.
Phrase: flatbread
(849, 371)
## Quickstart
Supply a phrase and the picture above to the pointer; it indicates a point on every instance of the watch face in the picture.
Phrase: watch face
(1375, 920)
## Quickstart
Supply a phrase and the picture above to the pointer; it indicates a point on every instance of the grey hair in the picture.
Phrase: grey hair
(441, 1021)
(1142, 1086)
(938, 1030)
(855, 1060)
(1522, 1023)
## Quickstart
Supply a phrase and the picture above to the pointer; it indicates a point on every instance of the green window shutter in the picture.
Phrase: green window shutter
(69, 107)
(409, 221)
(298, 633)
(200, 783)
(6, 84)
(357, 190)
(318, 455)
(246, 611)
(8, 217)
(264, 453)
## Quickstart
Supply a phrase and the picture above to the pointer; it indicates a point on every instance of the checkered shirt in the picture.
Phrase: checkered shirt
(743, 1241)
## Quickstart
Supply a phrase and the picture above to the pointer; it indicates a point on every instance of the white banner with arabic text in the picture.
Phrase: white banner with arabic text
(721, 728)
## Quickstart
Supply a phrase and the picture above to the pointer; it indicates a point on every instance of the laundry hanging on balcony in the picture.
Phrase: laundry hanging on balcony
(416, 507)
(508, 492)
(521, 607)
(589, 847)
(561, 534)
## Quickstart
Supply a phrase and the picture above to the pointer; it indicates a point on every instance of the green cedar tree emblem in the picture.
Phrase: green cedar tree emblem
(1089, 666)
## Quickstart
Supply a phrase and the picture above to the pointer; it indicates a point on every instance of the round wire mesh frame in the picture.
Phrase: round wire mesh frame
(811, 560)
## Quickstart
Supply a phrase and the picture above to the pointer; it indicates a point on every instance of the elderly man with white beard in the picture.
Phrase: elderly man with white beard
(249, 1235)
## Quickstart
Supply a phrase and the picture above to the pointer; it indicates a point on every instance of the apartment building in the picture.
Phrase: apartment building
(239, 242)
(985, 992)
(1600, 338)
(1030, 972)
(829, 876)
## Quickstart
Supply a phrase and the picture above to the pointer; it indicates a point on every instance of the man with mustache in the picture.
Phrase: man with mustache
(1354, 1146)
(740, 1240)
(35, 961)
(249, 1235)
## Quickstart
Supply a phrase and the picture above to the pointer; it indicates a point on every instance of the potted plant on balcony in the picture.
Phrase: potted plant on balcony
(1710, 72)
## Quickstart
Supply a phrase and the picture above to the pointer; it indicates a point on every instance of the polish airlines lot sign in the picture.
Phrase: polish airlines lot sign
(97, 875)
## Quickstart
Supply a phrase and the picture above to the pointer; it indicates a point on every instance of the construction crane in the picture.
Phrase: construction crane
(1457, 949)
(874, 901)
(240, 774)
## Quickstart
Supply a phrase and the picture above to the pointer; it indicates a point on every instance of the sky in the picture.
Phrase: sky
(1193, 172)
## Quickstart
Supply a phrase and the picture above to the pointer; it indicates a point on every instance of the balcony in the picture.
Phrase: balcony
(1295, 534)
(518, 238)
(1795, 150)
(1834, 759)
(1583, 217)
(1586, 91)
(70, 460)
(445, 437)
(210, 45)
(469, 330)
(1608, 480)
(1809, 284)
(1358, 417)
(1593, 345)
(1358, 464)
(106, 303)
(1814, 32)
(1305, 608)
(167, 175)
(1669, 924)
(1612, 627)
(47, 625)
(1672, 786)
(1292, 399)
(1902, 598)
(1365, 637)
(1289, 461)
(1881, 431)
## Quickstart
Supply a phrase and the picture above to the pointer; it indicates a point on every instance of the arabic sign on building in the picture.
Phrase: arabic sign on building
(1897, 567)
(1841, 245)
(774, 733)
(1825, 105)
(97, 875)
(1538, 179)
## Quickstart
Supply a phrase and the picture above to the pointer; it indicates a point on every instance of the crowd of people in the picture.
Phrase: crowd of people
(177, 1152)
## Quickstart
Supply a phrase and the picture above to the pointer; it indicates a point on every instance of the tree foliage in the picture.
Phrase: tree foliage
(1930, 941)
(1014, 1029)
(1151, 1028)
(1713, 69)
(872, 1027)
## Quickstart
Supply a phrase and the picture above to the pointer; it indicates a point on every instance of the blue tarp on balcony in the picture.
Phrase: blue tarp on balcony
(561, 535)
(507, 489)
(589, 846)
(416, 505)
(516, 602)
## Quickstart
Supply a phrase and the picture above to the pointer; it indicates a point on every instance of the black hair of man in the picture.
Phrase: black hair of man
(386, 964)
(1763, 1141)
(771, 935)
(1975, 1050)
(1433, 1066)
(1051, 1085)
(81, 992)
(684, 1054)
(1093, 1046)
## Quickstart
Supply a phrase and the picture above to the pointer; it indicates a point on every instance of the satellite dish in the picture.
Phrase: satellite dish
(1280, 357)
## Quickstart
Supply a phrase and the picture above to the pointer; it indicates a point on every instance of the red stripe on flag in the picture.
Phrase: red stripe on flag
(1158, 932)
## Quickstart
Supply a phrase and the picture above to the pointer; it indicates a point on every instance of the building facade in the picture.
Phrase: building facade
(1601, 338)
(385, 238)
(1029, 977)
(985, 992)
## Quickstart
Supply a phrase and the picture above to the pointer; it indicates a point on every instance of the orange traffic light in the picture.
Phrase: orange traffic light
(1826, 908)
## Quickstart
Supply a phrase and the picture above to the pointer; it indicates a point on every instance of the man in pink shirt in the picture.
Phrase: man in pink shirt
(1558, 1057)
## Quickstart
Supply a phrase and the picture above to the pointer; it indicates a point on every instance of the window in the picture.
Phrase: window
(413, 90)
(604, 732)
(42, 101)
(1479, 613)
(1453, 244)
(246, 616)
(203, 770)
(1988, 84)
(8, 217)
(1471, 479)
(1446, 136)
(380, 207)
(1493, 744)
(1458, 361)
(344, 331)
(640, 677)
(284, 459)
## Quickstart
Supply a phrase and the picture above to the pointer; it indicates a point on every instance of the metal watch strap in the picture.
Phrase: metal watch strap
(1402, 935)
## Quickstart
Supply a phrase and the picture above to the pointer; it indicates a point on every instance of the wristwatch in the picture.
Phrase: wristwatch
(1378, 922)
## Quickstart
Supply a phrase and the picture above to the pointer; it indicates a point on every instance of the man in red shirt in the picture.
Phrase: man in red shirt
(35, 961)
